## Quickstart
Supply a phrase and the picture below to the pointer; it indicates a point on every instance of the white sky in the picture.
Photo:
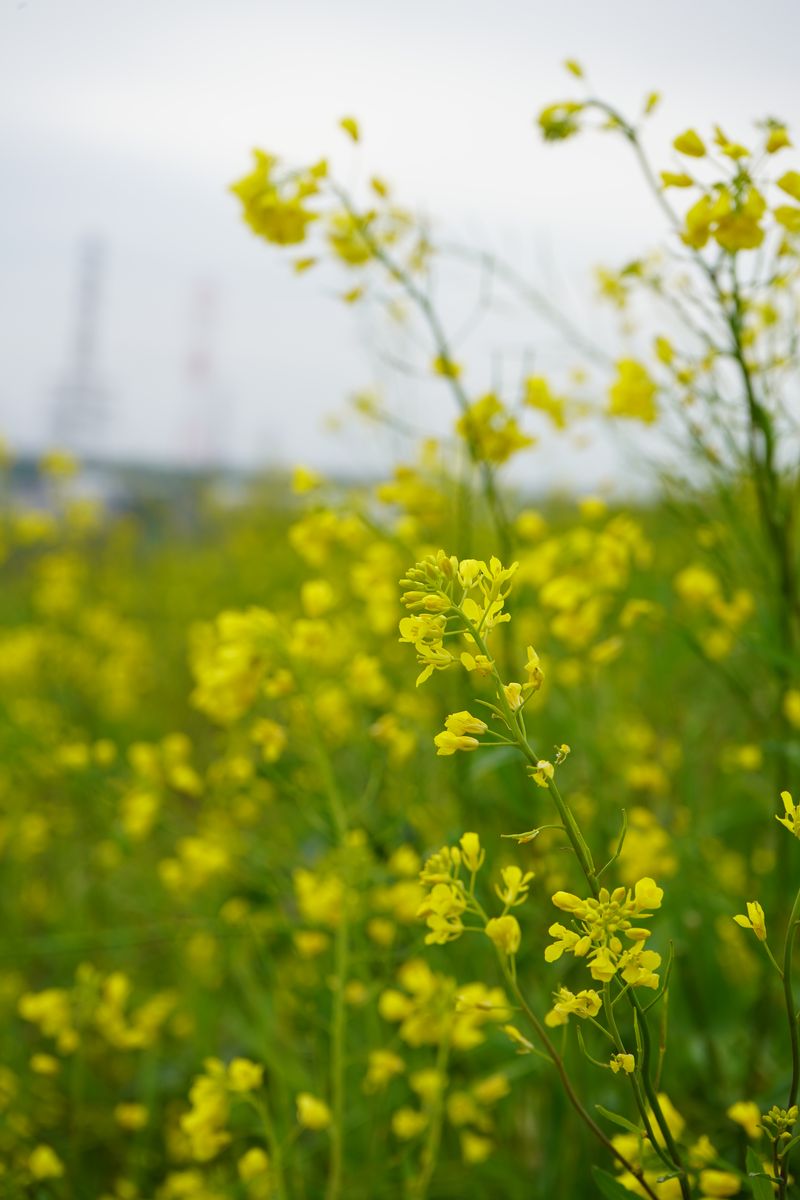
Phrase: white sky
(128, 118)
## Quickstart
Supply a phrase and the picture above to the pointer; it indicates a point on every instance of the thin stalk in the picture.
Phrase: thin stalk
(418, 1188)
(584, 856)
(788, 994)
(572, 1096)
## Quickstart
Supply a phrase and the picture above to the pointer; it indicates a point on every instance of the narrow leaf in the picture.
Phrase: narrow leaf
(760, 1185)
(623, 1122)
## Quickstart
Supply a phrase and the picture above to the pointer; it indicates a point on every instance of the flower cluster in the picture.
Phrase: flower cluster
(452, 599)
(600, 923)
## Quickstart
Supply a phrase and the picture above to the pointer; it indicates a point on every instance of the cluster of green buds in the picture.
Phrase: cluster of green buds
(778, 1124)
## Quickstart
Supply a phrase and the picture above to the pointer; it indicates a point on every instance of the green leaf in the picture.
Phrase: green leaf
(759, 1183)
(623, 1122)
(610, 1187)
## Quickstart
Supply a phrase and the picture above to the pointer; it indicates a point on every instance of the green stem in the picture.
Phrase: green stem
(572, 1096)
(338, 1031)
(418, 1188)
(788, 993)
(584, 856)
(635, 1086)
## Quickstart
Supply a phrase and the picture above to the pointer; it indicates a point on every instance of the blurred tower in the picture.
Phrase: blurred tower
(80, 399)
(203, 439)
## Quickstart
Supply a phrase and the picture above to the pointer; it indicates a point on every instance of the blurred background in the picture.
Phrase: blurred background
(140, 320)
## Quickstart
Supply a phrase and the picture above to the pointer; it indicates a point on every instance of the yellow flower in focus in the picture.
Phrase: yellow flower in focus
(754, 920)
(312, 1113)
(472, 854)
(792, 818)
(515, 886)
(505, 933)
(457, 733)
(582, 1004)
(623, 1062)
(543, 773)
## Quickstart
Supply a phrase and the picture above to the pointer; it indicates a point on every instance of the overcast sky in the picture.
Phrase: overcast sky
(126, 119)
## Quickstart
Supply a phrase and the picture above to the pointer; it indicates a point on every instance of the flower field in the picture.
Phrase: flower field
(423, 836)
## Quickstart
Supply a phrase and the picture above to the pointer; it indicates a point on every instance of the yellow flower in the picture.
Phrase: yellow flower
(633, 392)
(474, 1147)
(719, 1183)
(544, 773)
(533, 670)
(515, 886)
(463, 722)
(540, 397)
(443, 908)
(382, 1067)
(676, 179)
(253, 1164)
(131, 1116)
(448, 743)
(408, 1123)
(566, 1003)
(244, 1075)
(690, 143)
(472, 854)
(777, 139)
(444, 366)
(754, 920)
(274, 209)
(44, 1163)
(792, 818)
(505, 933)
(350, 126)
(45, 1064)
(604, 920)
(492, 432)
(558, 121)
(790, 183)
(623, 1062)
(457, 733)
(312, 1113)
(491, 1089)
(305, 480)
(747, 1114)
(791, 707)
